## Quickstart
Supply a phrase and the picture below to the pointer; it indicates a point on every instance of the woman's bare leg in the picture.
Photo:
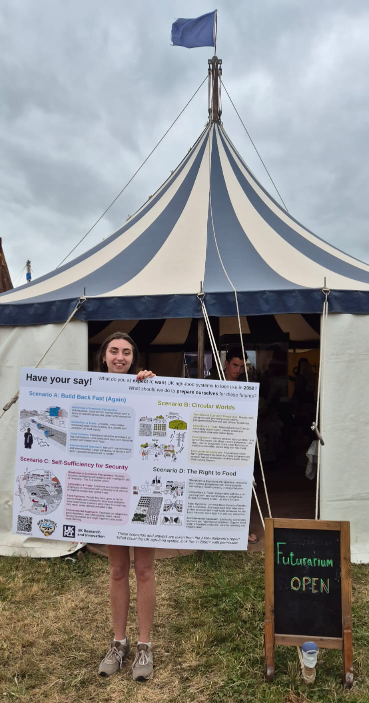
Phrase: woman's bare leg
(119, 562)
(145, 576)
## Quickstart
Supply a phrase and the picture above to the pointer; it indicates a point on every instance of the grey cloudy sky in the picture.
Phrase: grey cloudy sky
(89, 87)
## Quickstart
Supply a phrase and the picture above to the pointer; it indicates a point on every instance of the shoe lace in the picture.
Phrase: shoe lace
(114, 653)
(141, 658)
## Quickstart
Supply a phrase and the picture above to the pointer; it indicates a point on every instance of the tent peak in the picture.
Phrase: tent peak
(215, 105)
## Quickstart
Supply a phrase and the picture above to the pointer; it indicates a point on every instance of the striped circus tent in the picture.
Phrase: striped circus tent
(210, 226)
(213, 229)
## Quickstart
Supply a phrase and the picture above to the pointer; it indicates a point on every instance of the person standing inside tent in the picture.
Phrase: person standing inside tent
(235, 371)
(119, 354)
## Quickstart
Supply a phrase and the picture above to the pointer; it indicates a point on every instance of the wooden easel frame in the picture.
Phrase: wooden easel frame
(271, 638)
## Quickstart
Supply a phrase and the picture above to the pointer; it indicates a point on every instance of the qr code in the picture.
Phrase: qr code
(24, 524)
(69, 531)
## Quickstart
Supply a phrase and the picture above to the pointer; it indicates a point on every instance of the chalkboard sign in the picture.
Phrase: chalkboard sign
(308, 587)
(307, 582)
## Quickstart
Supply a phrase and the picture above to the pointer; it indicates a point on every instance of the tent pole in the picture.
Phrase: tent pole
(200, 347)
(215, 66)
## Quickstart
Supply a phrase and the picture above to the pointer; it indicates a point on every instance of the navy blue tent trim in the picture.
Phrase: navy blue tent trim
(303, 301)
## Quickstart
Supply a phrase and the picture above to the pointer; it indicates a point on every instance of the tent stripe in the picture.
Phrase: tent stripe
(173, 332)
(235, 248)
(286, 216)
(265, 328)
(298, 327)
(145, 332)
(313, 321)
(179, 264)
(296, 269)
(286, 232)
(99, 331)
(105, 252)
(140, 252)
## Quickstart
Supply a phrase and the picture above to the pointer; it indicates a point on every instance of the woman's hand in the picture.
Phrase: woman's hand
(145, 374)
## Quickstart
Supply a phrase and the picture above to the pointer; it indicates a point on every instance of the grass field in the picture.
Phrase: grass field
(208, 635)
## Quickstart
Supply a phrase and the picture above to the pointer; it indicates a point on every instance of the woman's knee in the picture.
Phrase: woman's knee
(144, 569)
(119, 563)
(119, 572)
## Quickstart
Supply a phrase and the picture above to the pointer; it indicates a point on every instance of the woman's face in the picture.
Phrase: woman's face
(118, 356)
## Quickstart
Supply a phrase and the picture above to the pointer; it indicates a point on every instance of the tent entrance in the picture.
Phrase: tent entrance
(285, 435)
(288, 385)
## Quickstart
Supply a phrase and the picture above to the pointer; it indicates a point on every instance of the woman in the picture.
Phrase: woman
(118, 354)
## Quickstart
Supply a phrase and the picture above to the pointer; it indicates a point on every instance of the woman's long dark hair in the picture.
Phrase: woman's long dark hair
(105, 344)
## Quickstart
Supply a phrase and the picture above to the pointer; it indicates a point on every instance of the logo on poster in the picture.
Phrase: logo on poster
(69, 531)
(47, 527)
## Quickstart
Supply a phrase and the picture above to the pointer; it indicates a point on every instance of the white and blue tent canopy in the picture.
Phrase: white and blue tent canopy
(211, 225)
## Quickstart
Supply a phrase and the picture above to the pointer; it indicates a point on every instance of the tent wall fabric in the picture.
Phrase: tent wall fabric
(180, 240)
(24, 347)
(345, 454)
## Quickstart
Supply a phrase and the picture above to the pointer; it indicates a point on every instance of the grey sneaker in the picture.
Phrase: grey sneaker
(143, 666)
(114, 658)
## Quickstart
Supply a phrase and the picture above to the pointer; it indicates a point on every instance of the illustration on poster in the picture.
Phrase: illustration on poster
(39, 491)
(48, 425)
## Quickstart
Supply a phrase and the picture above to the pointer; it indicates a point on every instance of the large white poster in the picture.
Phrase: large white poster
(165, 462)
